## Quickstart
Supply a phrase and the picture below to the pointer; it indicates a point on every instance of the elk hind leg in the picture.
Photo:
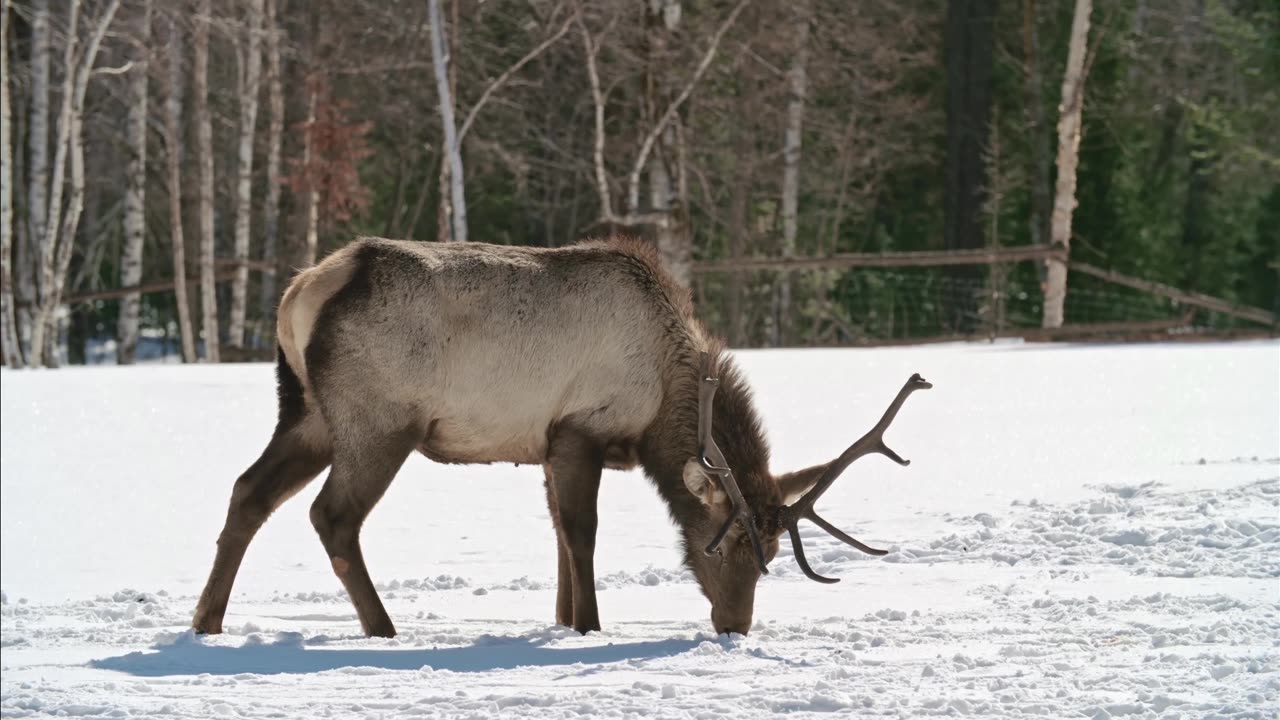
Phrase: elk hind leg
(287, 464)
(362, 471)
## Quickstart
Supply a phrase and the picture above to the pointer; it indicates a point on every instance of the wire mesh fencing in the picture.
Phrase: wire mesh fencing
(875, 305)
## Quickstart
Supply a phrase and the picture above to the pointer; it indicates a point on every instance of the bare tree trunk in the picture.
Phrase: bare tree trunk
(58, 315)
(453, 153)
(970, 48)
(135, 193)
(738, 229)
(391, 227)
(846, 167)
(590, 49)
(313, 193)
(204, 150)
(797, 81)
(275, 139)
(23, 270)
(173, 143)
(673, 241)
(996, 272)
(8, 322)
(1041, 202)
(28, 252)
(46, 256)
(419, 205)
(1064, 200)
(444, 207)
(59, 239)
(247, 79)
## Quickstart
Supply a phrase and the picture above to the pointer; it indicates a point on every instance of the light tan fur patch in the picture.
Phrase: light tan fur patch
(302, 302)
(340, 566)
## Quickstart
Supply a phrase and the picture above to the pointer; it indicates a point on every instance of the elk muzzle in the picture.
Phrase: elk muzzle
(726, 622)
(732, 614)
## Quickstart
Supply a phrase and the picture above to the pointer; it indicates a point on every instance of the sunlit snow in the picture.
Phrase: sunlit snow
(1084, 532)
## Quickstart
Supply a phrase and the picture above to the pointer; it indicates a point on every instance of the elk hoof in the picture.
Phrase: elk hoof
(382, 628)
(207, 628)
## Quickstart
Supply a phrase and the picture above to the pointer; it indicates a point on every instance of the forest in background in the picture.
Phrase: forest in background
(277, 130)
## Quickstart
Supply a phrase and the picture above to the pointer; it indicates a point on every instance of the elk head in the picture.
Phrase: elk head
(742, 540)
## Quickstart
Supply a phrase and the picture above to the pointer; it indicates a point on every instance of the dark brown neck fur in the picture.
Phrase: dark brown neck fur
(673, 439)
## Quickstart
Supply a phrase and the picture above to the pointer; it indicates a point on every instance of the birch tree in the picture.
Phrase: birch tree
(247, 80)
(173, 164)
(742, 170)
(204, 154)
(444, 205)
(1064, 200)
(797, 82)
(8, 322)
(311, 235)
(275, 140)
(453, 152)
(135, 190)
(63, 220)
(28, 253)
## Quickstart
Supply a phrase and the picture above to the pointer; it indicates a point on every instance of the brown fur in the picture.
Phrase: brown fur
(576, 358)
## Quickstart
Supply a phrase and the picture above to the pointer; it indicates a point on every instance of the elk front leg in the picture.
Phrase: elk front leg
(573, 468)
(564, 571)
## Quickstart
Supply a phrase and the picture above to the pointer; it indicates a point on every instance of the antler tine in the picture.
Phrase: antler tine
(872, 442)
(713, 461)
(798, 547)
(840, 535)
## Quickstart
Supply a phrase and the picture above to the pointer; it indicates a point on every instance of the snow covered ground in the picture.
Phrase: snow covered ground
(1085, 532)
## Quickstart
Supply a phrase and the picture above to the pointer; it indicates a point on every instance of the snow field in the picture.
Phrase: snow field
(1084, 531)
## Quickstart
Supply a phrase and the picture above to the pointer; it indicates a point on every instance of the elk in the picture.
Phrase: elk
(575, 358)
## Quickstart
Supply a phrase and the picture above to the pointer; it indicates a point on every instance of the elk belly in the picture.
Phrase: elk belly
(466, 444)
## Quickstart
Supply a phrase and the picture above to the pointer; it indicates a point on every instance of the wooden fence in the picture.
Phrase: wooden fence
(1265, 322)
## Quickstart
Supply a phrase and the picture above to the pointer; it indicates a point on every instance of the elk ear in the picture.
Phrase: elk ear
(703, 484)
(795, 484)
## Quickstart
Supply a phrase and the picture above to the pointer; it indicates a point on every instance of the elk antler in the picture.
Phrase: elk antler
(873, 442)
(713, 461)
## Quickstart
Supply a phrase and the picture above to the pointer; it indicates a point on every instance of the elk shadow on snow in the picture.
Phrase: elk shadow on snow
(288, 654)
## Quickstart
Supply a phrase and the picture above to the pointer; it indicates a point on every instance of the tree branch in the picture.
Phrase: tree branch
(121, 70)
(633, 184)
(506, 75)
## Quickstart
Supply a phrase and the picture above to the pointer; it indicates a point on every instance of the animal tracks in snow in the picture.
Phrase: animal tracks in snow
(1028, 649)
